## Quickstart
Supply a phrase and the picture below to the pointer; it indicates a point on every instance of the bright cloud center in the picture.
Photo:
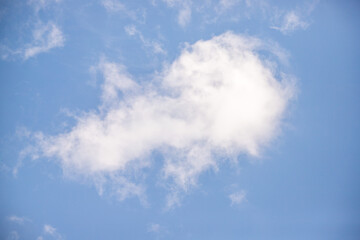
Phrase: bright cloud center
(219, 98)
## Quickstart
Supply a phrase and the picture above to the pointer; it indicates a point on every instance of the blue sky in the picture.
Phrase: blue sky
(169, 119)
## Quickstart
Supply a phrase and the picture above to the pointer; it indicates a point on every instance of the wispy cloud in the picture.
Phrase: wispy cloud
(44, 35)
(284, 20)
(115, 6)
(42, 4)
(155, 46)
(13, 236)
(45, 38)
(51, 232)
(227, 4)
(184, 7)
(18, 220)
(115, 79)
(154, 227)
(48, 229)
(292, 20)
(237, 198)
(217, 100)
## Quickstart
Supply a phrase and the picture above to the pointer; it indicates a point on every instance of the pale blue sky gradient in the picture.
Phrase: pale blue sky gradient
(305, 185)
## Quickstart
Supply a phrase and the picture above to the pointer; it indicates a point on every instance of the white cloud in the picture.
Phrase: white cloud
(18, 220)
(184, 15)
(184, 7)
(226, 4)
(283, 20)
(131, 30)
(155, 46)
(50, 231)
(45, 38)
(42, 4)
(237, 198)
(219, 99)
(115, 79)
(154, 227)
(115, 6)
(291, 21)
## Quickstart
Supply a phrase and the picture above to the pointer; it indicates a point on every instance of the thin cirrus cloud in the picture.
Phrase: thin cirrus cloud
(237, 198)
(50, 232)
(154, 227)
(115, 6)
(155, 46)
(227, 4)
(17, 219)
(42, 4)
(184, 7)
(291, 21)
(45, 37)
(297, 19)
(218, 99)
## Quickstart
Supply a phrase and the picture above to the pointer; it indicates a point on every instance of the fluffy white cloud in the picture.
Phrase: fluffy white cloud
(219, 99)
(45, 38)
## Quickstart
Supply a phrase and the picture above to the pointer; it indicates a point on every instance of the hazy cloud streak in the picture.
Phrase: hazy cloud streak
(45, 38)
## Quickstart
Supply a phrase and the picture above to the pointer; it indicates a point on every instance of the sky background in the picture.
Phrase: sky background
(67, 66)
